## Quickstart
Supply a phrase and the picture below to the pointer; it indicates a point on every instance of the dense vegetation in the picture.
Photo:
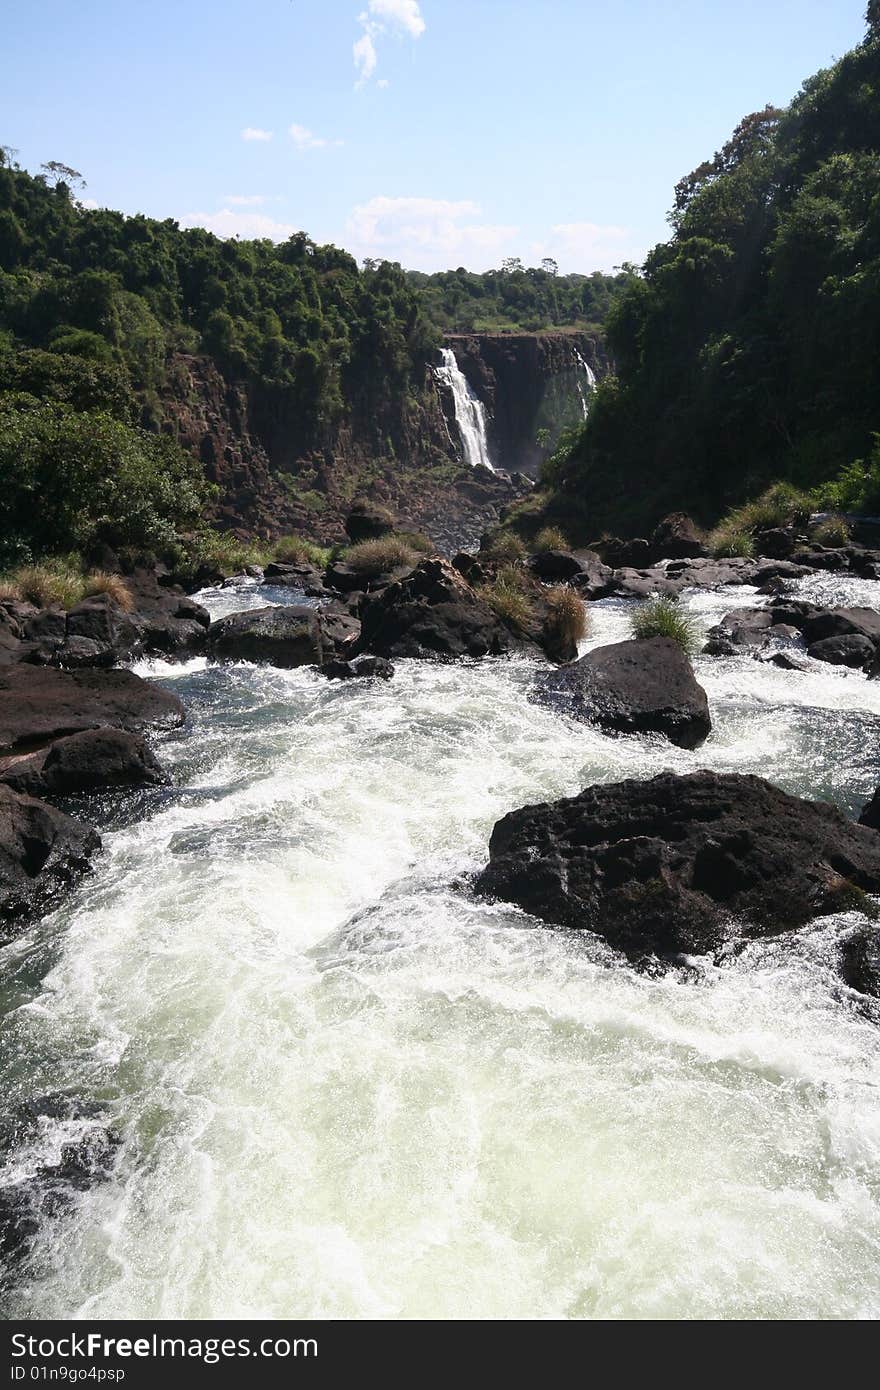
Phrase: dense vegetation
(748, 350)
(516, 298)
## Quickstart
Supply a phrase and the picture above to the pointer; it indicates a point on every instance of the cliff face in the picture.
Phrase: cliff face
(271, 483)
(529, 383)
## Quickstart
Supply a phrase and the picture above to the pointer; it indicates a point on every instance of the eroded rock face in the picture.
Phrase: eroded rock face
(288, 636)
(678, 864)
(42, 851)
(83, 762)
(643, 686)
(433, 612)
(39, 704)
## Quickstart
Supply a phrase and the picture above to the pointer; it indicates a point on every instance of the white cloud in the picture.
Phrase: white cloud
(305, 139)
(426, 233)
(245, 200)
(588, 246)
(365, 58)
(243, 224)
(251, 132)
(402, 13)
(383, 83)
(400, 17)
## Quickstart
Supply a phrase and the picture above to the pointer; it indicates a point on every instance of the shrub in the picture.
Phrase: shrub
(833, 531)
(781, 505)
(214, 550)
(506, 547)
(55, 583)
(380, 556)
(727, 542)
(550, 538)
(568, 613)
(507, 597)
(295, 550)
(416, 541)
(664, 617)
(856, 487)
(113, 585)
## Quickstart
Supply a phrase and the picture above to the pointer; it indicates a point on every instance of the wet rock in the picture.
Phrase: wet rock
(365, 665)
(631, 554)
(677, 864)
(842, 622)
(871, 812)
(42, 851)
(595, 579)
(677, 538)
(643, 686)
(432, 612)
(554, 566)
(287, 636)
(38, 704)
(740, 630)
(854, 650)
(83, 762)
(860, 963)
(777, 542)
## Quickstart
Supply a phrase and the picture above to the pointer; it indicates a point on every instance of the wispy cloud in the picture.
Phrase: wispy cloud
(426, 233)
(245, 200)
(306, 139)
(588, 246)
(399, 17)
(227, 223)
(252, 132)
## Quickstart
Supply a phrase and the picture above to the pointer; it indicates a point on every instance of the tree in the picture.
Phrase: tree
(511, 264)
(550, 267)
(62, 173)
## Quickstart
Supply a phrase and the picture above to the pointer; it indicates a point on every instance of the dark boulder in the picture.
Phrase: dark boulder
(365, 665)
(643, 686)
(843, 622)
(42, 851)
(432, 612)
(555, 565)
(287, 636)
(852, 650)
(860, 964)
(777, 542)
(871, 812)
(39, 703)
(368, 521)
(677, 538)
(595, 579)
(627, 554)
(678, 863)
(83, 762)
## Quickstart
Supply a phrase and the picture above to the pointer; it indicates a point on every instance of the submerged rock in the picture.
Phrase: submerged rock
(677, 864)
(40, 703)
(288, 636)
(432, 612)
(638, 686)
(83, 762)
(361, 666)
(42, 851)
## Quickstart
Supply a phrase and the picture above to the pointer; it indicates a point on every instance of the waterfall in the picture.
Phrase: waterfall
(591, 382)
(470, 413)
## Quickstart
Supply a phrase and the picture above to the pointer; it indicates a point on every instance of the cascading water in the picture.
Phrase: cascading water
(345, 1088)
(470, 413)
(591, 383)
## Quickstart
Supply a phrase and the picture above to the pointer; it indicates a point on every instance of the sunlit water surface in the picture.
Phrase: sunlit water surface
(347, 1089)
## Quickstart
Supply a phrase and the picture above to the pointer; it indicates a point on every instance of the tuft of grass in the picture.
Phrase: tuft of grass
(550, 538)
(416, 541)
(726, 542)
(507, 597)
(10, 590)
(664, 617)
(506, 547)
(294, 550)
(113, 585)
(55, 583)
(568, 613)
(833, 531)
(380, 556)
(781, 505)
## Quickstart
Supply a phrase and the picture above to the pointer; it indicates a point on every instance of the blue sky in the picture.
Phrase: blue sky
(434, 132)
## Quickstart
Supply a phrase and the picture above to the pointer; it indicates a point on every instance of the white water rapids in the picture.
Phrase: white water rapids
(470, 413)
(346, 1089)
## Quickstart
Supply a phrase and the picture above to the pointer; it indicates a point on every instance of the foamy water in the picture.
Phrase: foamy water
(346, 1089)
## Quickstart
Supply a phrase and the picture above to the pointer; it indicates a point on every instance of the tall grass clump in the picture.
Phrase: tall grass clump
(506, 547)
(833, 531)
(52, 584)
(568, 615)
(549, 538)
(295, 550)
(507, 597)
(664, 617)
(113, 585)
(727, 542)
(380, 556)
(781, 505)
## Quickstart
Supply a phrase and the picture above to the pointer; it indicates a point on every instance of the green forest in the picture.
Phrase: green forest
(517, 298)
(747, 351)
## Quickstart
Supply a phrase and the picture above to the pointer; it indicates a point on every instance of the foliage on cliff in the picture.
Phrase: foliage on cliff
(516, 298)
(749, 348)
